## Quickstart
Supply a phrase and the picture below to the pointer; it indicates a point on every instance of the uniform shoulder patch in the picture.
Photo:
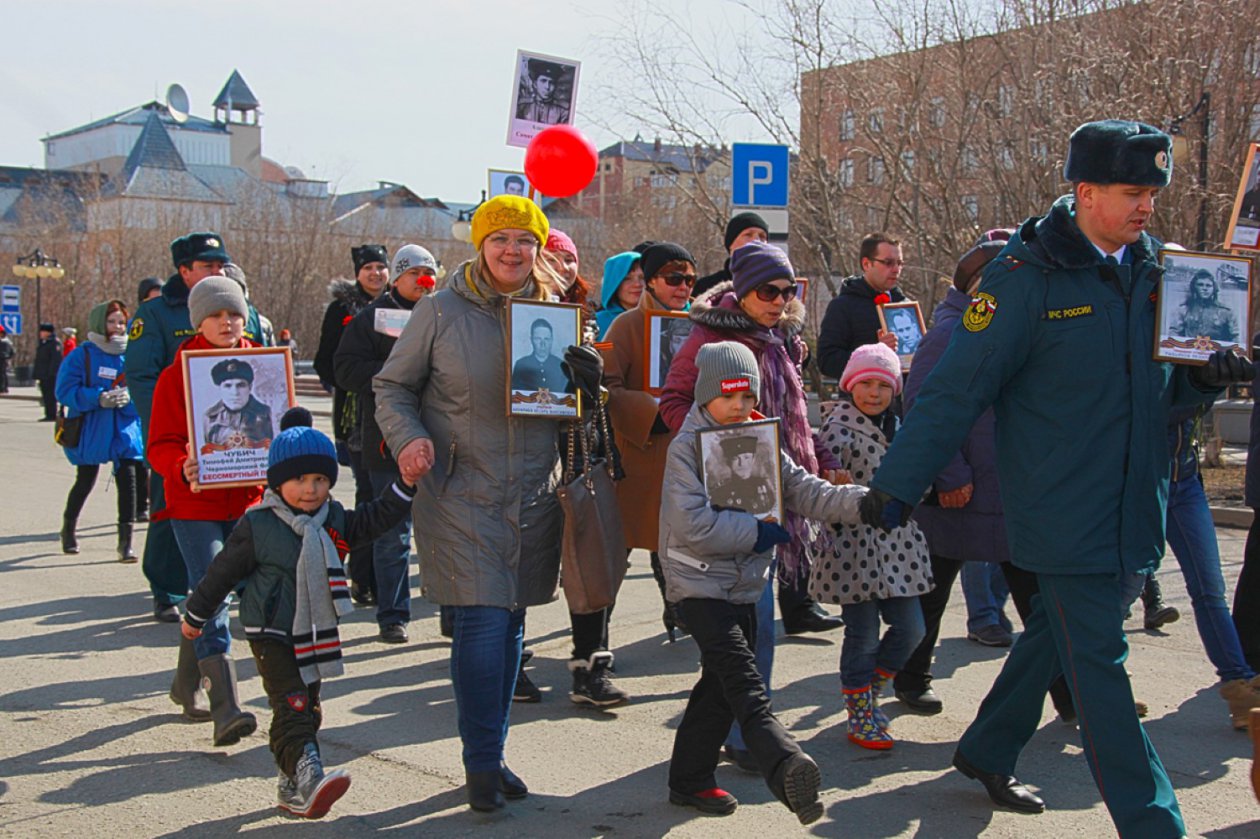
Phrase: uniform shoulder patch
(137, 328)
(979, 314)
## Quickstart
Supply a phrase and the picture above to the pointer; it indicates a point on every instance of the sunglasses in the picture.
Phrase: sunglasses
(679, 279)
(769, 293)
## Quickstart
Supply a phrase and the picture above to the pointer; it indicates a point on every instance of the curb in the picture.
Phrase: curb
(1239, 517)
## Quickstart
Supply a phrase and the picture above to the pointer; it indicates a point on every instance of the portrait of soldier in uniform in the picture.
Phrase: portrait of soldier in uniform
(540, 370)
(541, 100)
(741, 479)
(1202, 313)
(238, 419)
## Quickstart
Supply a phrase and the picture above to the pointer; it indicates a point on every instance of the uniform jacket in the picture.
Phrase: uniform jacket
(641, 437)
(109, 434)
(708, 553)
(263, 551)
(488, 523)
(360, 356)
(1251, 493)
(976, 531)
(168, 449)
(851, 320)
(47, 360)
(1059, 344)
(348, 299)
(233, 429)
(158, 328)
(857, 562)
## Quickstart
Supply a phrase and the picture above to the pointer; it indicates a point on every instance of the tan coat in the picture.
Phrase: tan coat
(633, 411)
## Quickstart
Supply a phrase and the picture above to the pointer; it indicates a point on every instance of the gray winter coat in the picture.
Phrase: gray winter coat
(708, 553)
(488, 524)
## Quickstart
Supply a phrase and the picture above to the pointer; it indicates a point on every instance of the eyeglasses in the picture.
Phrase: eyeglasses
(769, 293)
(891, 263)
(679, 279)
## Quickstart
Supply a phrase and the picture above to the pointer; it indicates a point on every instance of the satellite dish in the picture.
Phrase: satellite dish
(177, 103)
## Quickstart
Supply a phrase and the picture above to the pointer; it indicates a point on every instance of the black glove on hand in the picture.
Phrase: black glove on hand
(585, 368)
(879, 509)
(769, 534)
(1223, 368)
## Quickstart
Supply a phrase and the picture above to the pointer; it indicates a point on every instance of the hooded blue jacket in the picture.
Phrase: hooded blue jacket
(108, 434)
(615, 270)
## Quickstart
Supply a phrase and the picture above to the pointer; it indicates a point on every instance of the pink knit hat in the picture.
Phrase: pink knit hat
(558, 240)
(872, 361)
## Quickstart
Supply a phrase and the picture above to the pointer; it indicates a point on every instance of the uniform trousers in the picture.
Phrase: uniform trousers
(163, 563)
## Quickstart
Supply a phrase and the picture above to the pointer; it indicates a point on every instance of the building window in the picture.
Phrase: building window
(845, 173)
(1255, 122)
(971, 206)
(907, 160)
(873, 221)
(1006, 157)
(936, 112)
(875, 121)
(875, 170)
(970, 160)
(1039, 150)
(846, 125)
(1005, 100)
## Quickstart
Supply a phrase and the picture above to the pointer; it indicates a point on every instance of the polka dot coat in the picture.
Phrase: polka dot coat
(855, 563)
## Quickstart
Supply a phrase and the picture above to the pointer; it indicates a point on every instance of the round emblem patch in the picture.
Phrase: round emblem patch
(1161, 159)
(980, 313)
(137, 329)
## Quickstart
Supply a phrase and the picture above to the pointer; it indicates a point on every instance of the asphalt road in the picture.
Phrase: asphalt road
(90, 745)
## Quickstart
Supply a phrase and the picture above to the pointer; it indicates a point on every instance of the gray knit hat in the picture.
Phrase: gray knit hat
(214, 294)
(725, 367)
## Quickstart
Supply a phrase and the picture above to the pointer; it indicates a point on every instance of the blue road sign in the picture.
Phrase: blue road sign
(12, 323)
(759, 175)
(10, 298)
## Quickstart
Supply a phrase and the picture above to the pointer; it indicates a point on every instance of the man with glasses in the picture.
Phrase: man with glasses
(851, 319)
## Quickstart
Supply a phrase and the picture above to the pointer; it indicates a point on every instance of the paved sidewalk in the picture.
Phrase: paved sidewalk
(91, 746)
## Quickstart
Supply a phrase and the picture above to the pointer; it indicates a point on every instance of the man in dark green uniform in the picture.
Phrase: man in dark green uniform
(160, 325)
(1059, 341)
(237, 420)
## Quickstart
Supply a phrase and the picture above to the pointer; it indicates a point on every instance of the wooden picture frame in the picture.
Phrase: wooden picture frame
(753, 485)
(537, 386)
(232, 421)
(802, 290)
(1192, 321)
(664, 332)
(1243, 233)
(905, 320)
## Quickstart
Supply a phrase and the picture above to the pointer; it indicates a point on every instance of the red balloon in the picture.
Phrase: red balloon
(560, 161)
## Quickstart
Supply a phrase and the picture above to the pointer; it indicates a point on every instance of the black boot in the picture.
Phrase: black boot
(69, 542)
(670, 616)
(125, 553)
(1156, 612)
(186, 689)
(484, 794)
(218, 674)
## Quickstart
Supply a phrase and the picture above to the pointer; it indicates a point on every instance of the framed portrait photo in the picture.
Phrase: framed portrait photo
(1202, 306)
(663, 336)
(507, 182)
(1244, 225)
(538, 334)
(741, 466)
(905, 320)
(802, 290)
(544, 92)
(234, 399)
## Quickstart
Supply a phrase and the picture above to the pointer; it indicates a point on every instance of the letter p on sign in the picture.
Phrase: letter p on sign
(759, 175)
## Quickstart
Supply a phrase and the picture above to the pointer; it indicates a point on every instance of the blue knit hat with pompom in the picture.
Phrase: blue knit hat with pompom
(300, 450)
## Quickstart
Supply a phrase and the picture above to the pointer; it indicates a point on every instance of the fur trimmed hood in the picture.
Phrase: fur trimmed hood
(1055, 241)
(349, 293)
(717, 308)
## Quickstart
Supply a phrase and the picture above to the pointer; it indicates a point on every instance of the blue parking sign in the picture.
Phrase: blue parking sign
(759, 175)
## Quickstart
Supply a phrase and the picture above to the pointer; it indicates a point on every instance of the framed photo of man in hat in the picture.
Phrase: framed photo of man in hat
(742, 467)
(1244, 224)
(544, 93)
(1202, 305)
(905, 320)
(234, 399)
(663, 337)
(538, 334)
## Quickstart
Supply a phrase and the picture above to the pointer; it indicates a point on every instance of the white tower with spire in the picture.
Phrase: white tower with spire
(237, 107)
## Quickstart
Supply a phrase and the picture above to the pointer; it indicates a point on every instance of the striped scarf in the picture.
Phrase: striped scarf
(322, 592)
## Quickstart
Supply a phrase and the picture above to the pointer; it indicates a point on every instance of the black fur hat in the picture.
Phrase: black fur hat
(1115, 151)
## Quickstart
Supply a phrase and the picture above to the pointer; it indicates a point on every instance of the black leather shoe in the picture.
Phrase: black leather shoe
(510, 785)
(395, 633)
(810, 618)
(741, 758)
(1005, 790)
(483, 791)
(924, 702)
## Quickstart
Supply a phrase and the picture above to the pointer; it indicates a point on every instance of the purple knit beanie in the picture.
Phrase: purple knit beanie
(757, 263)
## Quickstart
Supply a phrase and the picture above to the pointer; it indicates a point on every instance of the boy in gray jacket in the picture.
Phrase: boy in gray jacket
(717, 561)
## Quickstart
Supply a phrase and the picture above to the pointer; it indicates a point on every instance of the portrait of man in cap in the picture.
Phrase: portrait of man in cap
(541, 98)
(739, 469)
(238, 419)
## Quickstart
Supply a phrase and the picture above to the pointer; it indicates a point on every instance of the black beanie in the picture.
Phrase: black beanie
(739, 223)
(658, 255)
(364, 254)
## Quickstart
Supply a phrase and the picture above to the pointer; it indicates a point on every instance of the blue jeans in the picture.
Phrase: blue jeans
(1192, 536)
(764, 654)
(485, 657)
(863, 650)
(984, 589)
(391, 555)
(200, 542)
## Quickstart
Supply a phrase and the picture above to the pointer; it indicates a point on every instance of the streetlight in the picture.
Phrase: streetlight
(461, 228)
(36, 266)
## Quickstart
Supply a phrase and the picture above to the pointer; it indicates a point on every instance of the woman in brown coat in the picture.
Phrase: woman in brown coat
(669, 273)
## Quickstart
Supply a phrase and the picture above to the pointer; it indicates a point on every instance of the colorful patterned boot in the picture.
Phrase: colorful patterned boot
(863, 730)
(882, 677)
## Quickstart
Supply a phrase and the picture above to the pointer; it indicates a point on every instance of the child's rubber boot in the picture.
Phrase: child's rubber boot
(882, 677)
(186, 689)
(218, 677)
(317, 790)
(863, 730)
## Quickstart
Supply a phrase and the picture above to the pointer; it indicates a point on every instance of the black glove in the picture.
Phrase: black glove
(1223, 368)
(585, 368)
(879, 509)
(769, 534)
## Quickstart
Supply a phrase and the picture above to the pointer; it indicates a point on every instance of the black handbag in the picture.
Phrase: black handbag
(68, 430)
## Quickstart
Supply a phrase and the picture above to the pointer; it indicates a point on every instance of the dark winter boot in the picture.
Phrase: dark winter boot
(795, 782)
(317, 790)
(218, 674)
(69, 542)
(125, 553)
(484, 793)
(186, 689)
(591, 685)
(1157, 613)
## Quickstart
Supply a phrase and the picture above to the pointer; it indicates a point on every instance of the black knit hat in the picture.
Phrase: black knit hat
(1116, 151)
(659, 255)
(364, 254)
(741, 222)
(147, 285)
